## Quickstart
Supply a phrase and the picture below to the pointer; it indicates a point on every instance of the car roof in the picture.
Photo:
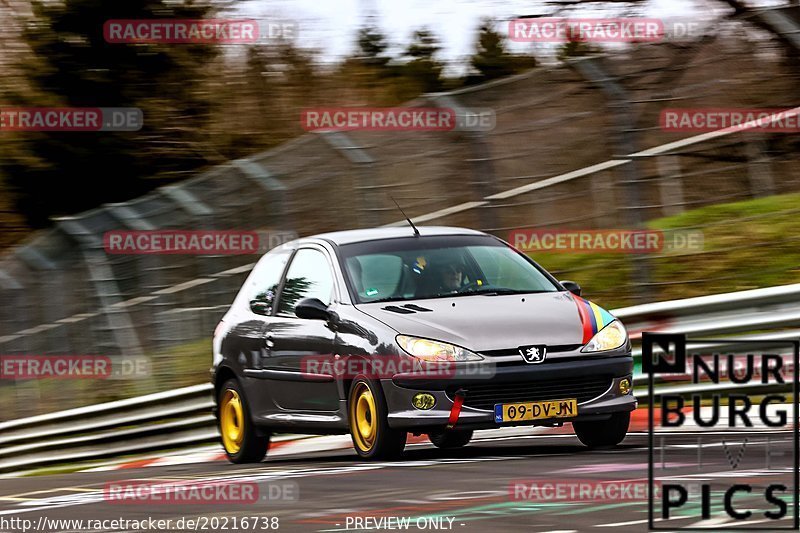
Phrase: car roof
(374, 234)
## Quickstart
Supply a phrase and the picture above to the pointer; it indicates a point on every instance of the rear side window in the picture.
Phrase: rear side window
(309, 276)
(262, 285)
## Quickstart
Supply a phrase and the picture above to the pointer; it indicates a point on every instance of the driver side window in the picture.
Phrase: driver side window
(309, 276)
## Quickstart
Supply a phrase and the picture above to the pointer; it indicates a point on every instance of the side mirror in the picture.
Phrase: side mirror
(260, 307)
(572, 287)
(311, 308)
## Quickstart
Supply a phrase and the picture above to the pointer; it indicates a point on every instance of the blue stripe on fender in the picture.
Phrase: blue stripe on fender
(590, 312)
(608, 318)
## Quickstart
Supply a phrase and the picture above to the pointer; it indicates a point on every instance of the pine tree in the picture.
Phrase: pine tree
(372, 44)
(68, 63)
(423, 67)
(491, 59)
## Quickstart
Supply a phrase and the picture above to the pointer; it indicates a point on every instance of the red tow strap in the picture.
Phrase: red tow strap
(455, 411)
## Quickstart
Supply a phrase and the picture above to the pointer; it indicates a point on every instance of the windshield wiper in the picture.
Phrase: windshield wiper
(389, 299)
(499, 291)
(484, 291)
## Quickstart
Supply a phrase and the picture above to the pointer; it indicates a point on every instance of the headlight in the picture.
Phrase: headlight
(429, 350)
(610, 337)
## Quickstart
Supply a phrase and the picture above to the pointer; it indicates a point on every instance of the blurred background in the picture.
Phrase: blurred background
(222, 147)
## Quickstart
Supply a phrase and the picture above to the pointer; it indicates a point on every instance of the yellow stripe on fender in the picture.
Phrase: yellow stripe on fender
(598, 316)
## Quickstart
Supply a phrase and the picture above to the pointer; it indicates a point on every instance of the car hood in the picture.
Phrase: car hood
(482, 322)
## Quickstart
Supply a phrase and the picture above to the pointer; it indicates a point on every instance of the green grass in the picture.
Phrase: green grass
(747, 245)
(184, 365)
(181, 366)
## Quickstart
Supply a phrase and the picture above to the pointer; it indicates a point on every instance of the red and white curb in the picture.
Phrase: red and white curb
(287, 445)
(279, 446)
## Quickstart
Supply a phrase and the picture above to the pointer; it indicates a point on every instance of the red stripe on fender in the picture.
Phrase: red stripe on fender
(586, 321)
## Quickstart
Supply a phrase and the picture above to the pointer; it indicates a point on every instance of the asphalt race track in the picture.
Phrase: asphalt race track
(463, 490)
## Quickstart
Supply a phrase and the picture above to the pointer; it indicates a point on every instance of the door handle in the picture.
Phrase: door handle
(268, 341)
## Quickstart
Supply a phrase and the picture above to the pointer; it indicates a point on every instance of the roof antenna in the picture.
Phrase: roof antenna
(416, 231)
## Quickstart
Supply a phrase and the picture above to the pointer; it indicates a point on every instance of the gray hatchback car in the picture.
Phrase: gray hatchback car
(384, 332)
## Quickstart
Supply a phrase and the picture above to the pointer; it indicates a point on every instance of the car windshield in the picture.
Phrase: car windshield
(435, 267)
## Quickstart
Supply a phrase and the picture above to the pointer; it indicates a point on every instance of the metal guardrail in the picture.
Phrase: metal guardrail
(183, 417)
(157, 421)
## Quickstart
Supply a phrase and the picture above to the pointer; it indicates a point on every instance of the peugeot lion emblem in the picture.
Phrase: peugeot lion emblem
(533, 354)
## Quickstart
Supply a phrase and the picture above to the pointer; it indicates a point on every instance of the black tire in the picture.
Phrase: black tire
(603, 433)
(252, 445)
(381, 442)
(450, 439)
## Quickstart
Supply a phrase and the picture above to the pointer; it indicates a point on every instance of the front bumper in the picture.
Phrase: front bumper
(401, 388)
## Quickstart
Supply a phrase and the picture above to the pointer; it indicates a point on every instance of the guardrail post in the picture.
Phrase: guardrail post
(670, 185)
(759, 168)
(483, 174)
(105, 286)
(619, 104)
(371, 201)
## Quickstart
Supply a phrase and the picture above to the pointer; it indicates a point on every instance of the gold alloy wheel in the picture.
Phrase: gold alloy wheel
(363, 418)
(231, 421)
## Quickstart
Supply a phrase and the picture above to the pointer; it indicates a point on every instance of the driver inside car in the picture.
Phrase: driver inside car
(451, 277)
(444, 277)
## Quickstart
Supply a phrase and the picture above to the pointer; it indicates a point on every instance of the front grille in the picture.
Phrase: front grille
(485, 395)
(515, 351)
